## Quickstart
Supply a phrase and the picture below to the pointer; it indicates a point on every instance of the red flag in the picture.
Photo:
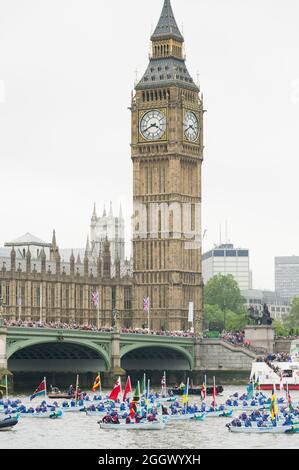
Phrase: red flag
(214, 396)
(128, 388)
(116, 390)
(133, 409)
(203, 391)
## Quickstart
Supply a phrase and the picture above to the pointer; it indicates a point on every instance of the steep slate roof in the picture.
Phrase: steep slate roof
(167, 26)
(166, 71)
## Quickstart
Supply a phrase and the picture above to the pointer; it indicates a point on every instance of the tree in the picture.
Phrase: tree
(292, 320)
(214, 319)
(280, 329)
(224, 291)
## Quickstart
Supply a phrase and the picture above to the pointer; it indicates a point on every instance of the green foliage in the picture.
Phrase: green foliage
(280, 329)
(292, 320)
(223, 291)
(214, 319)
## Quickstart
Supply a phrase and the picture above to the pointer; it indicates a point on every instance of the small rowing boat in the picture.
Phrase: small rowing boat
(8, 423)
(156, 426)
(263, 429)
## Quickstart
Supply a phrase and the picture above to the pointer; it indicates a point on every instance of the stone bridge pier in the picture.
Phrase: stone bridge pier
(3, 357)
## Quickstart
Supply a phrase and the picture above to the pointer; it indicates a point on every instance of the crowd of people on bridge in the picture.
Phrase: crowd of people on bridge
(77, 326)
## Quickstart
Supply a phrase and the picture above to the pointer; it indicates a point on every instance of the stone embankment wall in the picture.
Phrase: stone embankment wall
(219, 355)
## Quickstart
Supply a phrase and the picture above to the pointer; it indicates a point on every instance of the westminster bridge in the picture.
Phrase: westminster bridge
(61, 353)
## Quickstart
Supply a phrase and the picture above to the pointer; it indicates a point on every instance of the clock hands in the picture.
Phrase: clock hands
(152, 125)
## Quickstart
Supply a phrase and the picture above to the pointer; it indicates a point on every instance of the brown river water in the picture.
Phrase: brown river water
(78, 431)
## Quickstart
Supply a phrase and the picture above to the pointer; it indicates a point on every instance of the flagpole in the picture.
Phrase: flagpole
(205, 387)
(41, 304)
(45, 382)
(76, 392)
(148, 318)
(139, 396)
(98, 319)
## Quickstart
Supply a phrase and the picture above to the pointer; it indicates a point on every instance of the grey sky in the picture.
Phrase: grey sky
(67, 68)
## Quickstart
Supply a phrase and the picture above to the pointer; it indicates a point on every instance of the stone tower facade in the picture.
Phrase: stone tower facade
(167, 152)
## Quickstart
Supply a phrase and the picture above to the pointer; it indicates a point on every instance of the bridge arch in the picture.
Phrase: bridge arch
(49, 350)
(157, 356)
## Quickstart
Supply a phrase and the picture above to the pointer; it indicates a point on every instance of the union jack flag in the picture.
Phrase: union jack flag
(95, 299)
(146, 304)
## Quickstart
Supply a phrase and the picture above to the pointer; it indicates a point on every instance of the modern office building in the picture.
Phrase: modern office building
(226, 259)
(287, 276)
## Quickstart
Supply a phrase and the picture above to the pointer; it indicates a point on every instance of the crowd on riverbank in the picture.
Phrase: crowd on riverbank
(76, 326)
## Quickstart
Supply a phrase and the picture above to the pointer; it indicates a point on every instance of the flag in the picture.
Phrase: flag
(97, 383)
(133, 409)
(95, 299)
(143, 385)
(163, 381)
(186, 391)
(203, 392)
(273, 406)
(128, 388)
(136, 396)
(41, 390)
(116, 390)
(146, 304)
(250, 388)
(214, 404)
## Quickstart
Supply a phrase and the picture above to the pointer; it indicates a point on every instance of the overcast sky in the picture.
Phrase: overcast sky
(67, 68)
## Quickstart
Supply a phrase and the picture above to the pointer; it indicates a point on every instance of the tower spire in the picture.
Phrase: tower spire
(54, 239)
(94, 213)
(167, 26)
(167, 55)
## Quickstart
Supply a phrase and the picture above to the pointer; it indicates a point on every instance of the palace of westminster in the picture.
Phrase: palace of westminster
(40, 282)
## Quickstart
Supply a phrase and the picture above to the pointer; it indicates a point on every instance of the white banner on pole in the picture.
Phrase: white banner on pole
(190, 313)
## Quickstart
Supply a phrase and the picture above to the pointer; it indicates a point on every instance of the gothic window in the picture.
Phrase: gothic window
(127, 298)
(67, 296)
(171, 224)
(52, 297)
(7, 295)
(113, 297)
(38, 297)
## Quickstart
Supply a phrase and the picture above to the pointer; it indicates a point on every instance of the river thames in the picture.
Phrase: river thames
(78, 431)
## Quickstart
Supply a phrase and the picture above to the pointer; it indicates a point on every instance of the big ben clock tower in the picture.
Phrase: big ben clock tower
(167, 152)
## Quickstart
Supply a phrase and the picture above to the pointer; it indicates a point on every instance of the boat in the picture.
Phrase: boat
(263, 429)
(278, 374)
(195, 390)
(146, 426)
(166, 399)
(8, 423)
(186, 416)
(44, 415)
(219, 414)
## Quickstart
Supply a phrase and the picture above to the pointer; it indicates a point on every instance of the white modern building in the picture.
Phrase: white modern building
(287, 276)
(225, 259)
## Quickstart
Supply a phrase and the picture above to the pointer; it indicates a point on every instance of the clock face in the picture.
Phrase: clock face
(153, 125)
(191, 126)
